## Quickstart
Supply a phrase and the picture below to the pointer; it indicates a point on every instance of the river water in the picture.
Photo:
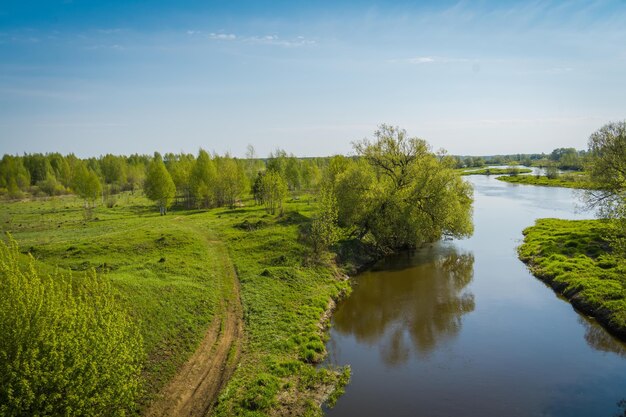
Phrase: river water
(461, 328)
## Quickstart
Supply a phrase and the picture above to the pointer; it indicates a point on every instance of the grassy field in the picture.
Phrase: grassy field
(168, 271)
(575, 259)
(578, 180)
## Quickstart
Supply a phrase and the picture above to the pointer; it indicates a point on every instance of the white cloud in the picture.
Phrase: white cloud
(425, 60)
(256, 39)
(223, 36)
(278, 41)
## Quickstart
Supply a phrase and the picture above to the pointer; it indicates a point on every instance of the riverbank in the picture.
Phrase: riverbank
(173, 274)
(495, 171)
(576, 181)
(574, 258)
(286, 296)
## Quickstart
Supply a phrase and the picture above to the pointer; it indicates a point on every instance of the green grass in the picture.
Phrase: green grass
(574, 257)
(163, 269)
(171, 273)
(495, 171)
(571, 180)
(284, 294)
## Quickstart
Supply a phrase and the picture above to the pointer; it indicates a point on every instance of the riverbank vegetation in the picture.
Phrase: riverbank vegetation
(568, 180)
(513, 171)
(586, 260)
(399, 194)
(288, 227)
(575, 258)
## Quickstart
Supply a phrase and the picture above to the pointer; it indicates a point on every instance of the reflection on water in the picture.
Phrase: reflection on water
(415, 304)
(599, 339)
(463, 328)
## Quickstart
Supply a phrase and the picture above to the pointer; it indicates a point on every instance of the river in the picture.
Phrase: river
(461, 328)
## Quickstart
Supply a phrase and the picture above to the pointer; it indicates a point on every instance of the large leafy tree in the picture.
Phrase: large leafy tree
(401, 194)
(607, 169)
(159, 186)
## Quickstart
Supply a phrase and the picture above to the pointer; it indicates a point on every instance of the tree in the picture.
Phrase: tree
(567, 158)
(66, 346)
(13, 175)
(86, 184)
(293, 173)
(202, 180)
(38, 166)
(232, 181)
(277, 161)
(135, 175)
(113, 169)
(607, 169)
(408, 196)
(552, 171)
(324, 230)
(257, 188)
(357, 186)
(179, 167)
(159, 186)
(273, 190)
(61, 167)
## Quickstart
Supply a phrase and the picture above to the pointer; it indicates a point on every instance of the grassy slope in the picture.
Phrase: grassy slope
(574, 258)
(174, 299)
(167, 271)
(567, 181)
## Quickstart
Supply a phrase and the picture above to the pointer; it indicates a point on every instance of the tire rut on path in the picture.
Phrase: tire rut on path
(196, 386)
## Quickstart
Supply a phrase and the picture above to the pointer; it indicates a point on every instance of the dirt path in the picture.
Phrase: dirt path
(193, 391)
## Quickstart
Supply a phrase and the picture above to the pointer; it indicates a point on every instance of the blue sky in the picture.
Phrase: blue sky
(96, 77)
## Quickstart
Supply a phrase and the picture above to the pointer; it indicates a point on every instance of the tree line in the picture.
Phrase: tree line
(203, 180)
(561, 158)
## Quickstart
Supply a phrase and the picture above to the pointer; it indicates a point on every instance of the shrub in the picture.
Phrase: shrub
(66, 348)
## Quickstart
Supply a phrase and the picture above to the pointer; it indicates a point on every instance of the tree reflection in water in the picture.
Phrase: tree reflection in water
(410, 302)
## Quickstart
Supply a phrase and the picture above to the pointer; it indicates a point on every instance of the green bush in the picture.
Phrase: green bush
(65, 346)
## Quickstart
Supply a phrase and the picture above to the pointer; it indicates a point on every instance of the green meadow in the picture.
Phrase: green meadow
(171, 273)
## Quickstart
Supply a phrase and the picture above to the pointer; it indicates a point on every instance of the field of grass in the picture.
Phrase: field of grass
(575, 259)
(285, 295)
(495, 171)
(168, 271)
(578, 181)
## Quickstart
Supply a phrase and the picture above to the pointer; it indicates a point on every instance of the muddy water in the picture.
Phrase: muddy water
(461, 328)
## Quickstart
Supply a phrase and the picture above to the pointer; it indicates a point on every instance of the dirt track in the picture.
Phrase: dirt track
(194, 389)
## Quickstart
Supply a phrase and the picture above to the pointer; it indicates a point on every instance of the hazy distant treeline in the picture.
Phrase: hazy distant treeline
(562, 158)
